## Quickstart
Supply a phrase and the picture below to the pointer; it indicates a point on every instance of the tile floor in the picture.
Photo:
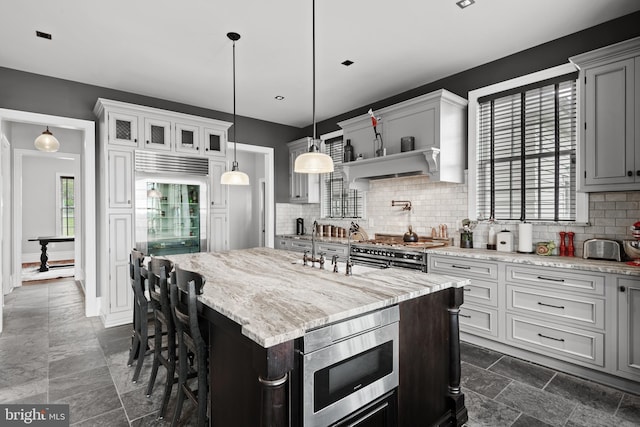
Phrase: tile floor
(51, 353)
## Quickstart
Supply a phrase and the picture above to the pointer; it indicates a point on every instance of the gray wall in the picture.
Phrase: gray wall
(244, 220)
(41, 94)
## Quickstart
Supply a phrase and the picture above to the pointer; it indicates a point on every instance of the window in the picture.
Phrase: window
(524, 163)
(66, 206)
(337, 200)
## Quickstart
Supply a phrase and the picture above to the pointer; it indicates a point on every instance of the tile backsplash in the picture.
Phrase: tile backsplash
(434, 203)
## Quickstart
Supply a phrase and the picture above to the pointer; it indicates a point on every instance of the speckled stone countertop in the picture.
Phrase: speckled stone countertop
(276, 299)
(577, 263)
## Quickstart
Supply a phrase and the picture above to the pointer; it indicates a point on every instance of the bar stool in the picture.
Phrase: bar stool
(141, 315)
(158, 271)
(185, 285)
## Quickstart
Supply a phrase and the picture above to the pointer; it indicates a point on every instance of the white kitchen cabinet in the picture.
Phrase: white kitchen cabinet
(120, 296)
(214, 141)
(123, 129)
(331, 249)
(187, 138)
(219, 192)
(120, 176)
(283, 243)
(218, 236)
(610, 118)
(157, 133)
(628, 298)
(303, 187)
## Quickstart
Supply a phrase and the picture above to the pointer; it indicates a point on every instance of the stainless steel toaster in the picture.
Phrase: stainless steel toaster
(602, 249)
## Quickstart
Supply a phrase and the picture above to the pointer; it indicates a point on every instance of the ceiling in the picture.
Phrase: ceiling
(179, 50)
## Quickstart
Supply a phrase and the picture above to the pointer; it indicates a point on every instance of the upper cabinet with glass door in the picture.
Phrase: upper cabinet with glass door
(154, 129)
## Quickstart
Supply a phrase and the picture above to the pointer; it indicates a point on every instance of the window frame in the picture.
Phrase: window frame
(582, 199)
(59, 177)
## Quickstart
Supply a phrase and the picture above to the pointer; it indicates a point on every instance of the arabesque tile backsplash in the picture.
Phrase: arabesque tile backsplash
(433, 203)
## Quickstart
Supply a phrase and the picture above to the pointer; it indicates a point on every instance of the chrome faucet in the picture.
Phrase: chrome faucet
(334, 262)
(313, 257)
(352, 229)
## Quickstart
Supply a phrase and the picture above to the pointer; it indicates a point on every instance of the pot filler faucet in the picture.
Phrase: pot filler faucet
(313, 258)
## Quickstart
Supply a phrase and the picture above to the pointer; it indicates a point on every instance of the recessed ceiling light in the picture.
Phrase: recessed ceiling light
(464, 3)
(43, 35)
(279, 98)
(347, 62)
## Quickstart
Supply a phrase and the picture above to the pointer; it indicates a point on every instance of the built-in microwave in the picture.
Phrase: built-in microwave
(348, 365)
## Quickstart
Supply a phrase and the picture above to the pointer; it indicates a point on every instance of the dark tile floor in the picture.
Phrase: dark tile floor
(51, 353)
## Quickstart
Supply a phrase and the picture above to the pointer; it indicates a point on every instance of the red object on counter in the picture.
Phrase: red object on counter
(570, 248)
(563, 248)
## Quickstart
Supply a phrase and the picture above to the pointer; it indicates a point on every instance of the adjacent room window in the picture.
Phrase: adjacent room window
(337, 200)
(66, 205)
(525, 152)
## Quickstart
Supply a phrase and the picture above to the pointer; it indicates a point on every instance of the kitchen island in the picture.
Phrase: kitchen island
(261, 302)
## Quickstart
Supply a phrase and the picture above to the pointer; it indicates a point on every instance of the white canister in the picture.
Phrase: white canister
(525, 238)
(504, 241)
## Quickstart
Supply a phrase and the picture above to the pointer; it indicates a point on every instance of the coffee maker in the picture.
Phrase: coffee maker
(299, 226)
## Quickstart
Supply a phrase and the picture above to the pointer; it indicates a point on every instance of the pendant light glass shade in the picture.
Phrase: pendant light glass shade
(234, 176)
(47, 142)
(154, 194)
(314, 161)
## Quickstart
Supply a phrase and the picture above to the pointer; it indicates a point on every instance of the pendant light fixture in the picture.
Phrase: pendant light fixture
(47, 142)
(234, 177)
(314, 161)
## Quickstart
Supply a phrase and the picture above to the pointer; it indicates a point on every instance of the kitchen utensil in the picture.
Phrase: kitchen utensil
(504, 241)
(407, 143)
(299, 226)
(601, 249)
(410, 236)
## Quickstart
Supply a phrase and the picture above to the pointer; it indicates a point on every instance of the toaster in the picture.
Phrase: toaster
(602, 249)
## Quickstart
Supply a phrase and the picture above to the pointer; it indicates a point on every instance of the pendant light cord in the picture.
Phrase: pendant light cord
(313, 38)
(235, 128)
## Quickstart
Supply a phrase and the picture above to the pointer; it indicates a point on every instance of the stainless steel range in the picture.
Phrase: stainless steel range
(384, 254)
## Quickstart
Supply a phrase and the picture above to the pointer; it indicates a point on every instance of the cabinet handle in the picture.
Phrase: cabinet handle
(629, 173)
(212, 203)
(551, 338)
(464, 267)
(622, 289)
(464, 315)
(550, 278)
(550, 305)
(638, 173)
(135, 139)
(466, 289)
(147, 141)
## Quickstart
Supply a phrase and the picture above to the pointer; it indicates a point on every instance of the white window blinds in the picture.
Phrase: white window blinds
(526, 154)
(337, 200)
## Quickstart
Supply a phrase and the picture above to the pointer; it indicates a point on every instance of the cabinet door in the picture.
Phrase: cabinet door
(157, 133)
(120, 245)
(214, 142)
(218, 234)
(187, 138)
(219, 192)
(629, 326)
(610, 141)
(123, 129)
(120, 179)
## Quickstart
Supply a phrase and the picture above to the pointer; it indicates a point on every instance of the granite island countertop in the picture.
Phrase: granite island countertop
(578, 263)
(275, 299)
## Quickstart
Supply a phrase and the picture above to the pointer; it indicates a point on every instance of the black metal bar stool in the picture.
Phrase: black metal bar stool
(141, 315)
(193, 350)
(158, 273)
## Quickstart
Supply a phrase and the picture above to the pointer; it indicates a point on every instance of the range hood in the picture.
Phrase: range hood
(436, 121)
(425, 161)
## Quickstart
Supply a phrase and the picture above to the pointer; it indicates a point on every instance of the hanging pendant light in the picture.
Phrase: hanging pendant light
(47, 142)
(314, 161)
(234, 177)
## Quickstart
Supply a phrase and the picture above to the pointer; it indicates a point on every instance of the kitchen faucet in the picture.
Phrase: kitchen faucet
(313, 258)
(352, 229)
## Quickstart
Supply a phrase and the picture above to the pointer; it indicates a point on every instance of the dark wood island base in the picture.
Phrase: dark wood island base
(255, 386)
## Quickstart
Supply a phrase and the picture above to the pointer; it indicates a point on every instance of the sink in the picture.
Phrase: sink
(355, 269)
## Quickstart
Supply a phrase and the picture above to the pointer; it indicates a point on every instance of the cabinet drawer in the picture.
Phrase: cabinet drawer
(282, 244)
(478, 320)
(558, 279)
(583, 311)
(330, 250)
(464, 267)
(481, 292)
(300, 245)
(564, 342)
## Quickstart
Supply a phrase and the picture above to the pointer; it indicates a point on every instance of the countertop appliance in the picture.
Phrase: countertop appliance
(348, 365)
(299, 226)
(602, 249)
